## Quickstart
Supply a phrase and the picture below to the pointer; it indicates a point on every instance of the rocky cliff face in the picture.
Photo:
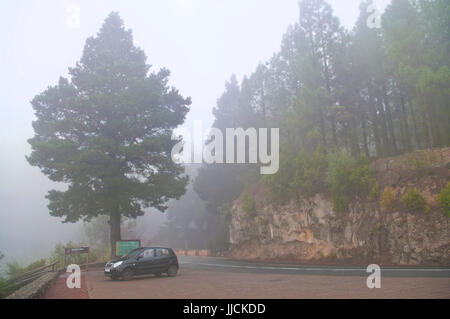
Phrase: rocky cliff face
(311, 230)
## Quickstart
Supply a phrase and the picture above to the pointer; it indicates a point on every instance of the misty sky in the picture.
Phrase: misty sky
(202, 42)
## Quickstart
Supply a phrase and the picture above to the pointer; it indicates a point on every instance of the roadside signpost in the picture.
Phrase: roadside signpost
(76, 251)
(123, 247)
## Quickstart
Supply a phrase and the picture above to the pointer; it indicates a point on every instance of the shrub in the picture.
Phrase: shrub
(300, 175)
(57, 255)
(3, 290)
(414, 201)
(14, 269)
(248, 204)
(348, 177)
(374, 193)
(340, 202)
(38, 263)
(444, 200)
(387, 199)
(309, 174)
(3, 293)
(278, 184)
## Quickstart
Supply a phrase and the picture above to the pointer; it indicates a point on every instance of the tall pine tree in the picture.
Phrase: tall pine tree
(106, 132)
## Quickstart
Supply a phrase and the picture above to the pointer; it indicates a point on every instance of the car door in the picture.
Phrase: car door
(161, 260)
(145, 262)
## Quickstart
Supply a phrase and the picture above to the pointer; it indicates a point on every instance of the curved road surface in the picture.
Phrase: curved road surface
(209, 277)
(223, 264)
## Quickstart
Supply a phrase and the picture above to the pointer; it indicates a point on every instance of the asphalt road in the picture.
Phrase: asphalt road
(207, 277)
(229, 265)
(210, 277)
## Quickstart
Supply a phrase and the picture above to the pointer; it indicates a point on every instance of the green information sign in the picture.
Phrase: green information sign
(123, 247)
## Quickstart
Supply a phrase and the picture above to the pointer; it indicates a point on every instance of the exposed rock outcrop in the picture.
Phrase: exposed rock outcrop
(312, 230)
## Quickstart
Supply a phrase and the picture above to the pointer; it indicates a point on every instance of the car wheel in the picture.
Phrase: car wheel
(158, 274)
(114, 278)
(172, 271)
(127, 274)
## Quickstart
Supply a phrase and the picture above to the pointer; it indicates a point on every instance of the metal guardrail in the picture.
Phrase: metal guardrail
(21, 280)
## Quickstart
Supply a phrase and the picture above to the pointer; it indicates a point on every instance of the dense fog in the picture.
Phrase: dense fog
(201, 42)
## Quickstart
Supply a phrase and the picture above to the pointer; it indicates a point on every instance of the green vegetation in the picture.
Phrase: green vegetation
(2, 280)
(374, 193)
(298, 177)
(280, 183)
(309, 174)
(113, 150)
(344, 176)
(14, 268)
(3, 291)
(414, 201)
(57, 255)
(248, 204)
(387, 199)
(340, 95)
(444, 200)
(348, 177)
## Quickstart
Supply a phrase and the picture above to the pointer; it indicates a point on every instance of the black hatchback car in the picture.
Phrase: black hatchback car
(142, 261)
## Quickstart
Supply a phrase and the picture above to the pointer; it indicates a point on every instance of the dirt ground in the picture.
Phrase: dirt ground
(59, 290)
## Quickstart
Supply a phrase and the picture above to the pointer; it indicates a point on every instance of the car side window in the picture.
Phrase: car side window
(149, 253)
(162, 252)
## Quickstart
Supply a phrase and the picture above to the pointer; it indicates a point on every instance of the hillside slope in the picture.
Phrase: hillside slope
(369, 232)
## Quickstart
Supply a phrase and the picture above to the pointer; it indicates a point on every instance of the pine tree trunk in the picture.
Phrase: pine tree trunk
(353, 138)
(429, 130)
(390, 122)
(374, 120)
(434, 123)
(114, 227)
(413, 117)
(322, 126)
(387, 150)
(364, 132)
(406, 139)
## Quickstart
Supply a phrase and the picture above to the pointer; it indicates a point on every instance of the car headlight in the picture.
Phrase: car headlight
(117, 264)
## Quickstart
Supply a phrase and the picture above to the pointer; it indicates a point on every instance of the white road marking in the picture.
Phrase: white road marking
(320, 269)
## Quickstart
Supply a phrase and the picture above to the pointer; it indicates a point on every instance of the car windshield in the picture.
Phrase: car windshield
(133, 253)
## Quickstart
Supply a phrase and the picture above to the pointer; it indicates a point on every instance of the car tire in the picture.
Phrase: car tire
(158, 274)
(172, 271)
(127, 274)
(114, 278)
